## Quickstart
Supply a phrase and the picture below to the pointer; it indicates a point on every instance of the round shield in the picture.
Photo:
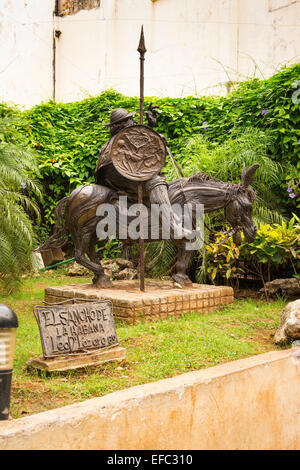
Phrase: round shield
(138, 152)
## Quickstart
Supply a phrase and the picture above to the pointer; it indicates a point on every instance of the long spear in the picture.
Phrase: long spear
(142, 50)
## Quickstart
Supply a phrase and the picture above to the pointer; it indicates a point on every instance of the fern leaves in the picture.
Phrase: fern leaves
(19, 194)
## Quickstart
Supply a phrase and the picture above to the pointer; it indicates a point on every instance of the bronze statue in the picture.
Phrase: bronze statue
(107, 174)
(76, 215)
(124, 174)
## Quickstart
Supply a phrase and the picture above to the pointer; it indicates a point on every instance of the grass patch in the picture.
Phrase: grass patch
(155, 350)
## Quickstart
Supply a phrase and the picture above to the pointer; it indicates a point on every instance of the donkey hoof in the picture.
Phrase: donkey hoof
(176, 284)
(102, 282)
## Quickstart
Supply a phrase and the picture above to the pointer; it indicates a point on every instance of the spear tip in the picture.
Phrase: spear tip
(142, 48)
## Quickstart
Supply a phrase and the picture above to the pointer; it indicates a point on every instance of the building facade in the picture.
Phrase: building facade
(69, 49)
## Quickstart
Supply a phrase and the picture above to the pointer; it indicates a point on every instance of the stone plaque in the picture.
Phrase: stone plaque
(138, 152)
(76, 328)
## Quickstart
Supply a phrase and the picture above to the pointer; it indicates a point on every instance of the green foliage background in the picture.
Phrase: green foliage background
(257, 122)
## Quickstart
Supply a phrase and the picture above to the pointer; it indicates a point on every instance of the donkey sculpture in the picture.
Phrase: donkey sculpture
(76, 216)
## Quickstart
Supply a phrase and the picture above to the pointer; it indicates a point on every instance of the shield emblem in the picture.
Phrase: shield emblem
(138, 152)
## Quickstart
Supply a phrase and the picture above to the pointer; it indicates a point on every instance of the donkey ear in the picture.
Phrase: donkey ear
(243, 171)
(247, 175)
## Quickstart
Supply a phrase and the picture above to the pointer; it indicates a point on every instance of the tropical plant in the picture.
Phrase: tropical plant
(276, 246)
(18, 196)
(225, 161)
(68, 136)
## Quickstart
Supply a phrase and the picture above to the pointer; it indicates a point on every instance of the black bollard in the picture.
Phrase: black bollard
(8, 333)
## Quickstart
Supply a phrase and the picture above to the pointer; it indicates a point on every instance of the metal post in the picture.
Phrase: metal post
(142, 50)
(141, 241)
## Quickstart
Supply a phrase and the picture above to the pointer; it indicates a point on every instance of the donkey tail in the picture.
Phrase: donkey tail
(60, 231)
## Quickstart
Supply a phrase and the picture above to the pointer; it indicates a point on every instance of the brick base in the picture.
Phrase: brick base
(160, 299)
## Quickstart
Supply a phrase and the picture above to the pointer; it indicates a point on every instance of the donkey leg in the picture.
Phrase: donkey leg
(82, 242)
(182, 263)
(100, 280)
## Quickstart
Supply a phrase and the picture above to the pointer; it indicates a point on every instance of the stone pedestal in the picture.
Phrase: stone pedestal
(78, 361)
(160, 299)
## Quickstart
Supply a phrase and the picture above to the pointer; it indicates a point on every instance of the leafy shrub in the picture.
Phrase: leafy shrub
(275, 246)
(68, 136)
(225, 161)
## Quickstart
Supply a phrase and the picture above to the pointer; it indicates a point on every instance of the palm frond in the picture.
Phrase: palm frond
(18, 195)
(160, 257)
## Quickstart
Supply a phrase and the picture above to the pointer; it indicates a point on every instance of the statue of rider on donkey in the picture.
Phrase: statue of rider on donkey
(130, 164)
(77, 214)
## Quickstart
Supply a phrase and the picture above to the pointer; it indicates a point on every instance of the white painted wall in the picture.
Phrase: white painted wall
(26, 34)
(81, 55)
(269, 34)
(193, 46)
(177, 62)
(248, 404)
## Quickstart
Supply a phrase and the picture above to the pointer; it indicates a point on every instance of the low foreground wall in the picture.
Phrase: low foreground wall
(252, 403)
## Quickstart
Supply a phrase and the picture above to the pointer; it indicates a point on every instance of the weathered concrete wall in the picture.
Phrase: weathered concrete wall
(247, 404)
(81, 55)
(268, 35)
(26, 36)
(193, 46)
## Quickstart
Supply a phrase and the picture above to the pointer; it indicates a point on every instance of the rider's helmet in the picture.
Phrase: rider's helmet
(118, 115)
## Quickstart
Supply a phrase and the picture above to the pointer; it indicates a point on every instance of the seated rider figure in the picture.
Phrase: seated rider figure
(155, 190)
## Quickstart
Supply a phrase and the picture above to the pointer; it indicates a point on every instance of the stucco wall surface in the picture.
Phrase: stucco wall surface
(251, 403)
(193, 46)
(26, 38)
